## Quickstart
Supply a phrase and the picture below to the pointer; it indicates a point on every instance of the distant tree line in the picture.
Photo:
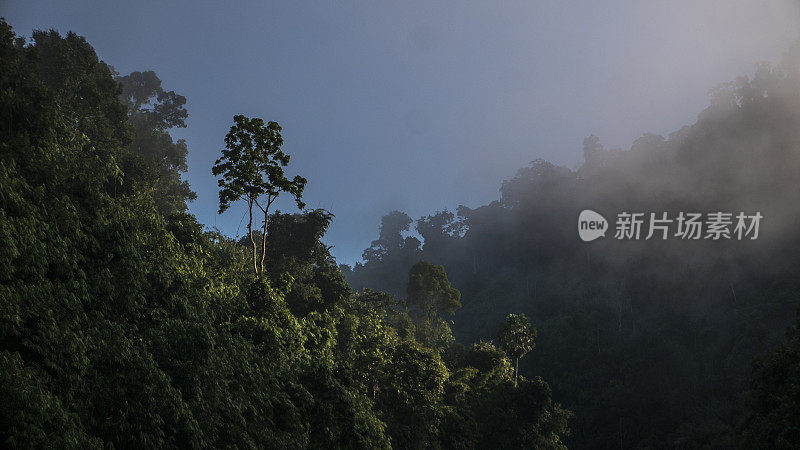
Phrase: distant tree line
(651, 343)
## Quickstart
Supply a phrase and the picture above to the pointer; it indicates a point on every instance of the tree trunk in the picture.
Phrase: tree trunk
(516, 373)
(264, 239)
(252, 239)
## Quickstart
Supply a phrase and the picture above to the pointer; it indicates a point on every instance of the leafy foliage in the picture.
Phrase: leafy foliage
(154, 156)
(517, 334)
(429, 289)
(124, 323)
(251, 166)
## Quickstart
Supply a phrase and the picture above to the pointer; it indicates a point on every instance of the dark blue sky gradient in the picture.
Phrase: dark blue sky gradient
(421, 106)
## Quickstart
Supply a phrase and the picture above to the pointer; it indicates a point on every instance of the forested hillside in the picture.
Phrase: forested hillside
(124, 323)
(650, 342)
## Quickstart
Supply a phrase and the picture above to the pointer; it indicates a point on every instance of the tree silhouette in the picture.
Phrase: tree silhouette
(517, 335)
(251, 167)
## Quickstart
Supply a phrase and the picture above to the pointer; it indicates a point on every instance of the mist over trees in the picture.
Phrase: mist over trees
(126, 323)
(650, 342)
(152, 112)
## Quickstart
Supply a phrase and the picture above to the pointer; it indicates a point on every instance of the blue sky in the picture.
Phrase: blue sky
(421, 106)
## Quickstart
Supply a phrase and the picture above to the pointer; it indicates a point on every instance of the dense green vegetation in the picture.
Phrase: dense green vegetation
(125, 323)
(650, 343)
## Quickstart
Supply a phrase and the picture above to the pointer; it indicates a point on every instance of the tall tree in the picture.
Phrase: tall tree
(429, 294)
(517, 335)
(251, 167)
(152, 112)
(390, 239)
(430, 290)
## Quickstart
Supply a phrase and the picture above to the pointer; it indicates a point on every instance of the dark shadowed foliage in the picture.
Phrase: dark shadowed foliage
(124, 323)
